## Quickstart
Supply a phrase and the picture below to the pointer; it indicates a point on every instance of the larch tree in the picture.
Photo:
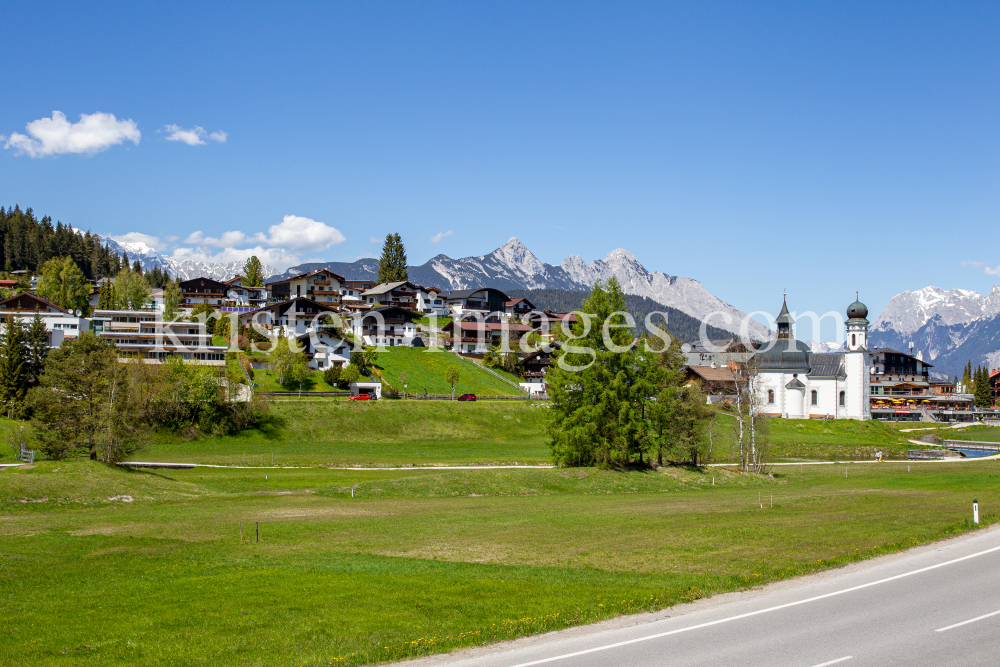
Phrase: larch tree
(253, 272)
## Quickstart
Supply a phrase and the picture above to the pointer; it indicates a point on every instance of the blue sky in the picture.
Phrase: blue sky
(822, 148)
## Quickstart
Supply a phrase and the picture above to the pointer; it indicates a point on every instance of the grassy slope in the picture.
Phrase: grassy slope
(418, 561)
(426, 369)
(325, 431)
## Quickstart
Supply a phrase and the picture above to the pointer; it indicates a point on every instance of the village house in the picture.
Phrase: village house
(240, 297)
(518, 308)
(351, 290)
(475, 336)
(401, 293)
(202, 291)
(59, 322)
(535, 367)
(321, 285)
(144, 334)
(296, 317)
(385, 326)
(482, 301)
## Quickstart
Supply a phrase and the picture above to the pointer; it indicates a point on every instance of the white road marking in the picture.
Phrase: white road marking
(834, 662)
(759, 611)
(971, 620)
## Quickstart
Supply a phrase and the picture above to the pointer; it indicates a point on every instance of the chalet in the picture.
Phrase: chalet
(321, 285)
(297, 316)
(718, 382)
(536, 366)
(144, 334)
(548, 321)
(351, 290)
(59, 322)
(385, 326)
(429, 302)
(481, 301)
(519, 308)
(325, 349)
(202, 290)
(240, 297)
(477, 336)
(995, 386)
(401, 293)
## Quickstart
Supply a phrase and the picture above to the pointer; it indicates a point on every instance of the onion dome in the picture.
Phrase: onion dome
(857, 311)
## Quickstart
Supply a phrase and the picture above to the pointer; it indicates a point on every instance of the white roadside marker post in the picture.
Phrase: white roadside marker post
(975, 512)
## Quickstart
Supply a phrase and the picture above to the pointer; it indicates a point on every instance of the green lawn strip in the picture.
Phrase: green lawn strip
(267, 380)
(817, 439)
(378, 433)
(426, 369)
(364, 580)
(982, 433)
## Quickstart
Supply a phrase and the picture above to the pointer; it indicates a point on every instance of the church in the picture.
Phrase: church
(797, 383)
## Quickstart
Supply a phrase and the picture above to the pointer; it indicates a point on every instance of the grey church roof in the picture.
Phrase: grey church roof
(795, 384)
(785, 354)
(827, 364)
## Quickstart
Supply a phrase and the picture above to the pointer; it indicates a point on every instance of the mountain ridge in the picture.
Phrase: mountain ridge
(513, 266)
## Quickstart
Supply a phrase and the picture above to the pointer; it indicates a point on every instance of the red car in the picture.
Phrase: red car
(467, 397)
(361, 397)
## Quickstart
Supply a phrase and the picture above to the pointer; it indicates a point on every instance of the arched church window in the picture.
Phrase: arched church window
(842, 401)
(770, 396)
(815, 397)
(854, 340)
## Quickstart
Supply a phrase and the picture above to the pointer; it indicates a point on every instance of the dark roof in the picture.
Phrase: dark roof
(201, 282)
(282, 306)
(466, 293)
(38, 303)
(391, 310)
(785, 354)
(827, 364)
(382, 288)
(889, 350)
(784, 317)
(311, 273)
(710, 374)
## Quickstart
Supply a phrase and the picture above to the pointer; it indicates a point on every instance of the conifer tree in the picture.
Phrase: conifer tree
(171, 300)
(37, 338)
(981, 388)
(106, 299)
(392, 263)
(137, 267)
(13, 367)
(967, 377)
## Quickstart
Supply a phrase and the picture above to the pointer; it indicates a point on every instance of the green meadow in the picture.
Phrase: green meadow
(105, 566)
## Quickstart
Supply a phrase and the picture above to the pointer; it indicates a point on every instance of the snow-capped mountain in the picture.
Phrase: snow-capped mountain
(181, 269)
(513, 266)
(909, 311)
(948, 327)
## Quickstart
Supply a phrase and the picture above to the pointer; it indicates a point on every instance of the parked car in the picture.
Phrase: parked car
(361, 397)
(467, 397)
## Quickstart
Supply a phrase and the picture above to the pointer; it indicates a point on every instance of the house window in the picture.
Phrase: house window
(842, 401)
(815, 397)
(770, 397)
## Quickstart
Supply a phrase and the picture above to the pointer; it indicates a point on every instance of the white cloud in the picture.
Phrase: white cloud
(154, 242)
(93, 133)
(194, 137)
(987, 269)
(440, 235)
(372, 239)
(226, 240)
(297, 232)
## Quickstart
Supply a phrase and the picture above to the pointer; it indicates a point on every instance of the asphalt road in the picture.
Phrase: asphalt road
(937, 605)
